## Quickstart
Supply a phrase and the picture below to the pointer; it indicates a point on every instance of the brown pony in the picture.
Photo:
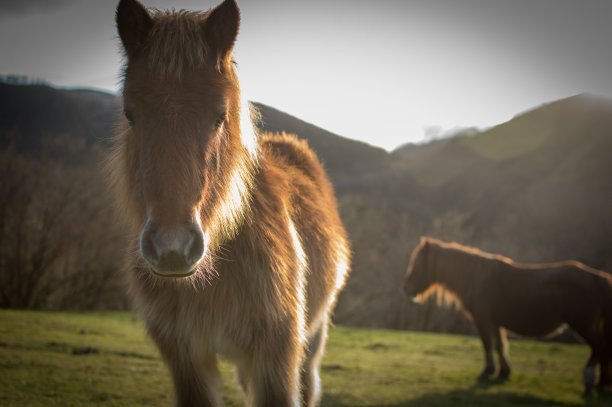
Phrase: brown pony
(530, 300)
(238, 247)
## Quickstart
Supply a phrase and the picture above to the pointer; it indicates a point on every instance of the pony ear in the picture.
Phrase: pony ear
(133, 23)
(425, 242)
(221, 28)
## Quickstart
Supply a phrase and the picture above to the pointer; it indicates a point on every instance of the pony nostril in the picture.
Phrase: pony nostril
(194, 250)
(147, 246)
(172, 252)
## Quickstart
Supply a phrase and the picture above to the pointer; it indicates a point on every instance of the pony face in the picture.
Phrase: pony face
(180, 141)
(417, 279)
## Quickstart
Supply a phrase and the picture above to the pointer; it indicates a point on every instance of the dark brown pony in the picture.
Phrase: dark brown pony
(531, 300)
(238, 248)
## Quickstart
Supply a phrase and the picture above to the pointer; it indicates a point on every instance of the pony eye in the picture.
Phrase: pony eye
(220, 120)
(129, 117)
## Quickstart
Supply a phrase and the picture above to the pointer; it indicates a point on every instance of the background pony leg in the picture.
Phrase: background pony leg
(487, 334)
(591, 332)
(605, 372)
(589, 373)
(501, 345)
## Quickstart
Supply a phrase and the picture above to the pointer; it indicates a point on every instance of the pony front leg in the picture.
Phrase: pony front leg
(272, 379)
(197, 382)
(311, 382)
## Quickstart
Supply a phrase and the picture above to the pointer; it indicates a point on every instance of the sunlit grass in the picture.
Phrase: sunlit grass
(89, 359)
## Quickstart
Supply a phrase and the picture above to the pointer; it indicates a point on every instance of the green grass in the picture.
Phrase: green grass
(92, 359)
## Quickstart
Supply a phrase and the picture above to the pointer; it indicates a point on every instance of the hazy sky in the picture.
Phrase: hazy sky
(380, 71)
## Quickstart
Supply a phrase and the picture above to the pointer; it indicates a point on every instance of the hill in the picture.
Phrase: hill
(348, 162)
(536, 188)
(545, 171)
(39, 117)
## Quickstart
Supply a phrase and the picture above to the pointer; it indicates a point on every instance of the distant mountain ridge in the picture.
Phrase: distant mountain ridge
(341, 156)
(537, 188)
(37, 114)
(543, 176)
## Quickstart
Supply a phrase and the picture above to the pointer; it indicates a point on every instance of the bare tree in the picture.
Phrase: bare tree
(58, 244)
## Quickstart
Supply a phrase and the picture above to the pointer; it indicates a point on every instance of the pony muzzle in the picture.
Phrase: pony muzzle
(410, 293)
(175, 252)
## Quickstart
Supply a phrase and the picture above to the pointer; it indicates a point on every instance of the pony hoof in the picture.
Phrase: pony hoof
(503, 375)
(484, 377)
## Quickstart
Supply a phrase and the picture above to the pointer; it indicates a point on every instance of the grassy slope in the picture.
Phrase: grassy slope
(88, 359)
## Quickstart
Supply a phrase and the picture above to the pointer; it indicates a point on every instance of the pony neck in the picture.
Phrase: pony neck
(450, 268)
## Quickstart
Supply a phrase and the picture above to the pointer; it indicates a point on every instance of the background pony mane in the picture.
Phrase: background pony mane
(469, 250)
(443, 297)
(176, 42)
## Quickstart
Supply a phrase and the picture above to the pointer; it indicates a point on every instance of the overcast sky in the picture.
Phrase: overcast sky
(380, 71)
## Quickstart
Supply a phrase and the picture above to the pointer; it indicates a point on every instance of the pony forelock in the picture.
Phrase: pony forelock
(176, 43)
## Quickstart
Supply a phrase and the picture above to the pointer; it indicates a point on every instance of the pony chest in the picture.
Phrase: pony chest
(201, 322)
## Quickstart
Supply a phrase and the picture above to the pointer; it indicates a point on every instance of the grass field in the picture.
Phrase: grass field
(92, 359)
